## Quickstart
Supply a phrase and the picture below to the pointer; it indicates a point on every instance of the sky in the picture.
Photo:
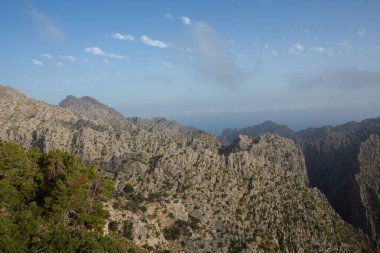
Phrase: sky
(209, 64)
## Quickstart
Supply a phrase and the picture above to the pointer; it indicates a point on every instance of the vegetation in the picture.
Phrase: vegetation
(52, 203)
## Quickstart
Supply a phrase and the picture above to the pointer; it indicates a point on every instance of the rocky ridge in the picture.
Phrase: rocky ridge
(334, 160)
(185, 192)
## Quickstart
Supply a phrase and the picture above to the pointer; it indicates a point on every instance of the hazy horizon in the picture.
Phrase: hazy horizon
(208, 64)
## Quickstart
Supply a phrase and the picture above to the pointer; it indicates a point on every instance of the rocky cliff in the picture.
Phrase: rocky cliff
(338, 164)
(334, 160)
(186, 192)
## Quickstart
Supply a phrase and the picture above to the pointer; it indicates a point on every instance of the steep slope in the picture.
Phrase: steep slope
(368, 180)
(333, 157)
(229, 135)
(249, 198)
(185, 192)
(334, 166)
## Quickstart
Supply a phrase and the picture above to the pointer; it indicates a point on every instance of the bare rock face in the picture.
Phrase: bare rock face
(185, 192)
(369, 184)
(337, 164)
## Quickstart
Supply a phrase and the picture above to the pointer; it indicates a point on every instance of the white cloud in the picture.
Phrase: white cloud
(98, 51)
(186, 20)
(361, 32)
(37, 62)
(59, 64)
(46, 25)
(67, 58)
(169, 16)
(214, 60)
(106, 61)
(120, 36)
(296, 48)
(94, 51)
(151, 42)
(318, 49)
(47, 56)
(274, 53)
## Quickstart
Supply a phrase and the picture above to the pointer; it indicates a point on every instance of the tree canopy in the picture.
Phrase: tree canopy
(52, 203)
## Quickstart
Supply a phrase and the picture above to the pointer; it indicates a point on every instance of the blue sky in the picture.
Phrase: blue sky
(211, 64)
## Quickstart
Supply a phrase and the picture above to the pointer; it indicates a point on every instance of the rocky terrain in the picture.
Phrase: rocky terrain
(338, 164)
(180, 189)
(337, 161)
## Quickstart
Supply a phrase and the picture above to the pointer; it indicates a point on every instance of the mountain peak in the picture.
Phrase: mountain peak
(90, 108)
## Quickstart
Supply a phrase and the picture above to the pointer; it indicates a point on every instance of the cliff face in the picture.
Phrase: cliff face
(368, 180)
(181, 190)
(337, 164)
(334, 160)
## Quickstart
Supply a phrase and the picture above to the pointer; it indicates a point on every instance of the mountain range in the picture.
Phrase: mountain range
(342, 162)
(180, 189)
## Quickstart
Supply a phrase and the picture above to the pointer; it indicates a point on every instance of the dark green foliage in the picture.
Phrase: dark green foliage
(113, 226)
(180, 227)
(128, 229)
(237, 246)
(52, 203)
(128, 189)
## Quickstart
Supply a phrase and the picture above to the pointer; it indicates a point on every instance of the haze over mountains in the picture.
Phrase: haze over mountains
(180, 189)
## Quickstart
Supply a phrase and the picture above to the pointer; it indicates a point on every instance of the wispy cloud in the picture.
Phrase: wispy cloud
(169, 16)
(47, 25)
(98, 51)
(342, 78)
(213, 58)
(59, 64)
(67, 58)
(296, 48)
(318, 49)
(47, 56)
(37, 62)
(186, 20)
(361, 32)
(120, 36)
(151, 42)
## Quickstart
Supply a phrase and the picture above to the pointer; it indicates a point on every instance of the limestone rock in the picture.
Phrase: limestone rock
(184, 191)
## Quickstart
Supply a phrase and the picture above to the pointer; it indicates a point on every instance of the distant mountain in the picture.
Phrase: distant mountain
(93, 109)
(186, 192)
(229, 135)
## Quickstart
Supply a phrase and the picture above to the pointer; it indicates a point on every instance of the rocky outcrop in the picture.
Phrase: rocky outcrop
(186, 192)
(334, 160)
(335, 165)
(90, 108)
(368, 180)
